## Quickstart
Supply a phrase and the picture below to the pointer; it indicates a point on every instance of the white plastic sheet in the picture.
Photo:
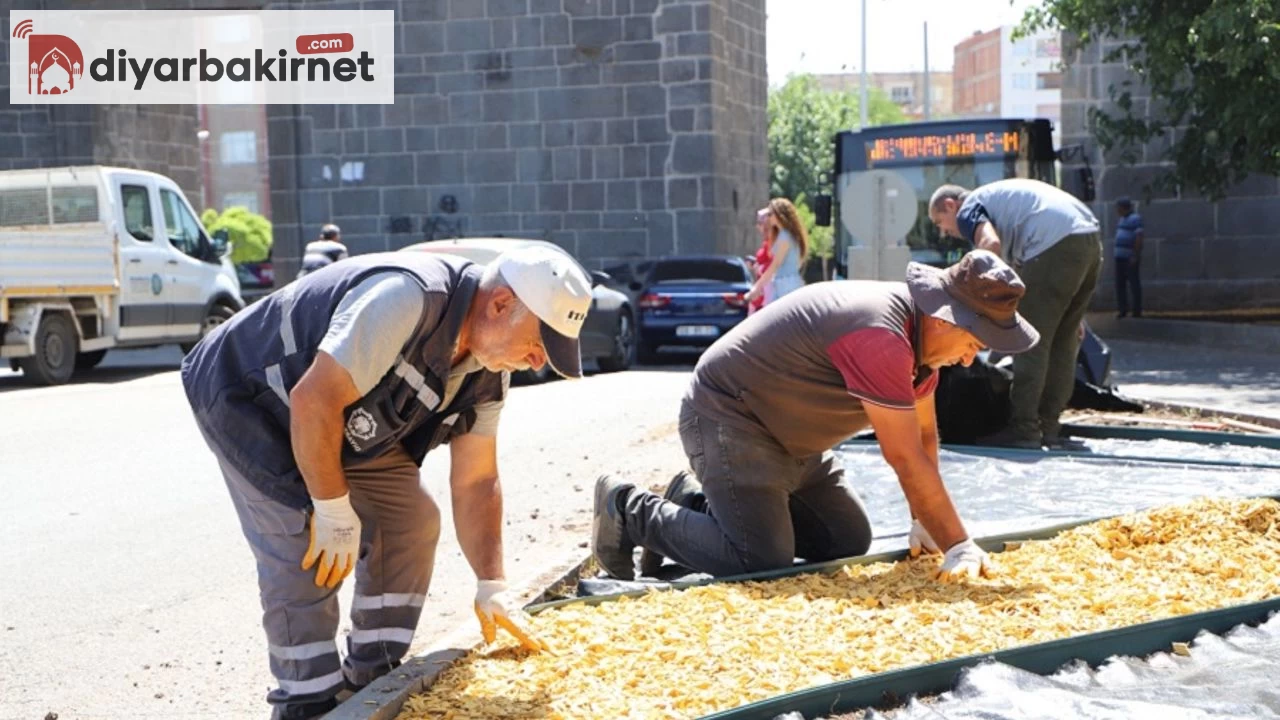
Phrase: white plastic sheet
(1232, 676)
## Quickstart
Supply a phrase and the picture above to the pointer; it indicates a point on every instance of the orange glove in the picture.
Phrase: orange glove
(335, 540)
(496, 608)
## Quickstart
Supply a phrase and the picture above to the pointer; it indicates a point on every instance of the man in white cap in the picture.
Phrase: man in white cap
(770, 400)
(320, 402)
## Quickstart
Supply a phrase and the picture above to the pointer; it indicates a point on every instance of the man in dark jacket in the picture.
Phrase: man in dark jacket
(321, 401)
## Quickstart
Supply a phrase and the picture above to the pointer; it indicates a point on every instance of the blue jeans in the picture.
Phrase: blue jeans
(1128, 276)
(764, 507)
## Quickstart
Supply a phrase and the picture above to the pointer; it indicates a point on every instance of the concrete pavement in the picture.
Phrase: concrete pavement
(129, 591)
(1232, 380)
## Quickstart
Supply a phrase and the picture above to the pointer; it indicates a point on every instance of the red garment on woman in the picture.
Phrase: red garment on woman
(763, 258)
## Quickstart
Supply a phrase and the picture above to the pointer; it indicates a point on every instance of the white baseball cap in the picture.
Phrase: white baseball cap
(556, 289)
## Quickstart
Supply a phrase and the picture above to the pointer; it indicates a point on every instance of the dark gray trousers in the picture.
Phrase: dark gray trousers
(400, 524)
(764, 507)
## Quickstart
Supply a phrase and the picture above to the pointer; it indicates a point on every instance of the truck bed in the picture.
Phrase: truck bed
(75, 258)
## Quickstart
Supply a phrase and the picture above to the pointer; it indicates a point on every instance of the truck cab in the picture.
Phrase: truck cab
(94, 258)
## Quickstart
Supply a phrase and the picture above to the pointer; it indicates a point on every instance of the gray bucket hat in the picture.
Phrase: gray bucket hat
(980, 294)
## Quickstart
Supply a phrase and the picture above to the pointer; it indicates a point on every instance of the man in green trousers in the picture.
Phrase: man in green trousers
(1051, 239)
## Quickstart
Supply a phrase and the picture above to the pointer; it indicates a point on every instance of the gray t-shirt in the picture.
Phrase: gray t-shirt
(1029, 216)
(370, 327)
(802, 370)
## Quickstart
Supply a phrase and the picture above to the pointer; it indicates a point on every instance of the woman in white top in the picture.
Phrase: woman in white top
(788, 246)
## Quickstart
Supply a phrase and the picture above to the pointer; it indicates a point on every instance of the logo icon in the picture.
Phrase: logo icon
(55, 61)
(360, 426)
(157, 284)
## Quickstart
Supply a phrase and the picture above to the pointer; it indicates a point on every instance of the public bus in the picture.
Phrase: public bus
(883, 173)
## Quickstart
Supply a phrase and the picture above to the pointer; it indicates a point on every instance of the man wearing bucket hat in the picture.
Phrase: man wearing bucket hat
(770, 400)
(320, 402)
(1051, 239)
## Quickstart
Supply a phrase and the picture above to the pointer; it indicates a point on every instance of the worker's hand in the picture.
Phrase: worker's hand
(495, 607)
(919, 541)
(753, 293)
(965, 560)
(335, 540)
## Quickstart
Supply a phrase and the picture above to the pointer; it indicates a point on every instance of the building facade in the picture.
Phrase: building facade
(905, 89)
(1198, 255)
(619, 129)
(976, 75)
(997, 75)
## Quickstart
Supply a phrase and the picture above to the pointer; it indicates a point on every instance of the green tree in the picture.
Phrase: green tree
(1213, 66)
(249, 233)
(803, 122)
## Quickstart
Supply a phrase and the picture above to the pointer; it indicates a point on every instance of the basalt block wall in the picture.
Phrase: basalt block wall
(618, 129)
(1199, 255)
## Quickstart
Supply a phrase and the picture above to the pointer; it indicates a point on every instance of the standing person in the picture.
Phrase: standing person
(772, 397)
(762, 257)
(320, 403)
(1051, 239)
(788, 244)
(1128, 257)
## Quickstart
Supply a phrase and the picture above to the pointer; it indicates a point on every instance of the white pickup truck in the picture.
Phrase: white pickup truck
(94, 258)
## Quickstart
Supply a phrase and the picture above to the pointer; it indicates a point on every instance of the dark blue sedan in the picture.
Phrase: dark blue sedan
(691, 301)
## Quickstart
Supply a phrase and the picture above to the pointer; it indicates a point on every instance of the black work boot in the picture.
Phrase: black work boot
(683, 490)
(610, 544)
(303, 711)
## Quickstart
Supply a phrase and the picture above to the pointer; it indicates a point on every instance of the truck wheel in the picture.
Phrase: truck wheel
(55, 357)
(218, 314)
(89, 360)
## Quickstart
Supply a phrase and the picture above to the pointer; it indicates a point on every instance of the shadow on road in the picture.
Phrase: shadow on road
(119, 366)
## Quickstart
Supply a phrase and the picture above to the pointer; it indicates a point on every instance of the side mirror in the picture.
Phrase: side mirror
(221, 245)
(1087, 190)
(599, 277)
(822, 210)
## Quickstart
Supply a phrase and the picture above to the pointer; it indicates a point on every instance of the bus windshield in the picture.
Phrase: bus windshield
(924, 156)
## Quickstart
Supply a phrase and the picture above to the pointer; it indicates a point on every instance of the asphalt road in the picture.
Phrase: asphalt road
(129, 591)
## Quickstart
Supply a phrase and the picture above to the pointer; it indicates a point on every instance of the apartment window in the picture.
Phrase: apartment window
(1022, 81)
(1049, 81)
(246, 200)
(239, 148)
(1048, 48)
(901, 94)
(1022, 49)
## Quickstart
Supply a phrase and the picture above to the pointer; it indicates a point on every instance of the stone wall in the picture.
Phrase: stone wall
(1199, 255)
(615, 128)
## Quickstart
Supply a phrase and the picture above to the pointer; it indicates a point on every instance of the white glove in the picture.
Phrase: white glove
(496, 608)
(335, 540)
(920, 541)
(965, 560)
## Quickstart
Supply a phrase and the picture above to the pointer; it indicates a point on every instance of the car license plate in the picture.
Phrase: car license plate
(697, 331)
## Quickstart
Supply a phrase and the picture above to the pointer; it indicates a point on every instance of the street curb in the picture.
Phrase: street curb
(383, 698)
(1205, 411)
(1240, 336)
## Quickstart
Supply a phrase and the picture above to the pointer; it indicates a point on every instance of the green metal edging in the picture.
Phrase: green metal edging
(1200, 437)
(894, 686)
